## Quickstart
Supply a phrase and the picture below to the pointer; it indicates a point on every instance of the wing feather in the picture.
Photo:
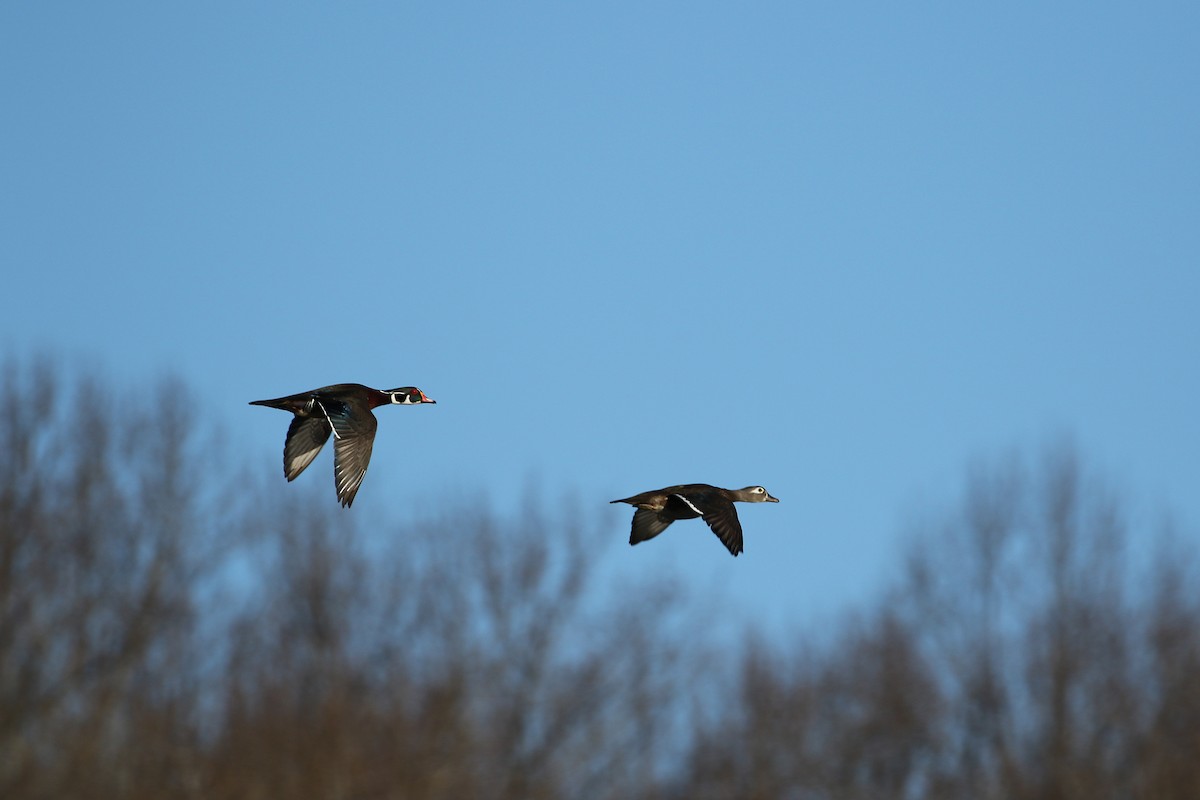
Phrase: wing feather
(723, 519)
(354, 432)
(647, 524)
(305, 438)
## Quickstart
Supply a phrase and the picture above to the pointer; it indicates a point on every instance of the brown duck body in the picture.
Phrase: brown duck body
(657, 509)
(344, 410)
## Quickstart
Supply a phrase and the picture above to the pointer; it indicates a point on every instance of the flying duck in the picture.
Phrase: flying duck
(345, 410)
(658, 509)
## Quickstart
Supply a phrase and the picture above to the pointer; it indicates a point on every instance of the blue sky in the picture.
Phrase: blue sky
(837, 249)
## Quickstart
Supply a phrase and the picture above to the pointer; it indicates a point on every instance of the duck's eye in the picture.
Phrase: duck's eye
(759, 490)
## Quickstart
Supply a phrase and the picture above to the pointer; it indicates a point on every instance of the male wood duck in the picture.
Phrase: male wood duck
(658, 509)
(345, 410)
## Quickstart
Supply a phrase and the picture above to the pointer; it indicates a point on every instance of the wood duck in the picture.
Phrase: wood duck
(345, 410)
(656, 510)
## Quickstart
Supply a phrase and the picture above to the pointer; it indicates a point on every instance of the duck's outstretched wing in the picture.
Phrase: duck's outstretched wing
(354, 438)
(723, 519)
(305, 438)
(647, 524)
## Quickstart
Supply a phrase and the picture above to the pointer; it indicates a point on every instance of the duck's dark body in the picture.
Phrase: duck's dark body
(657, 509)
(344, 410)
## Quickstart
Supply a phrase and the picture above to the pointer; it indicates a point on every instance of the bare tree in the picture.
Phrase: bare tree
(1166, 753)
(99, 556)
(1023, 654)
(855, 719)
(965, 589)
(160, 638)
(466, 656)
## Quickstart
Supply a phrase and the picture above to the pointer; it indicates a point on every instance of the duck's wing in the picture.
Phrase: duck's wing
(305, 438)
(354, 437)
(647, 524)
(722, 517)
(682, 506)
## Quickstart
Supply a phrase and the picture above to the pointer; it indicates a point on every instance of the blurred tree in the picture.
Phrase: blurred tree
(1168, 714)
(160, 637)
(1022, 655)
(464, 657)
(856, 719)
(1021, 601)
(100, 552)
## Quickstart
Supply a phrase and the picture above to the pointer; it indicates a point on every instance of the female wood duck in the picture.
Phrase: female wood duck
(658, 509)
(344, 409)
